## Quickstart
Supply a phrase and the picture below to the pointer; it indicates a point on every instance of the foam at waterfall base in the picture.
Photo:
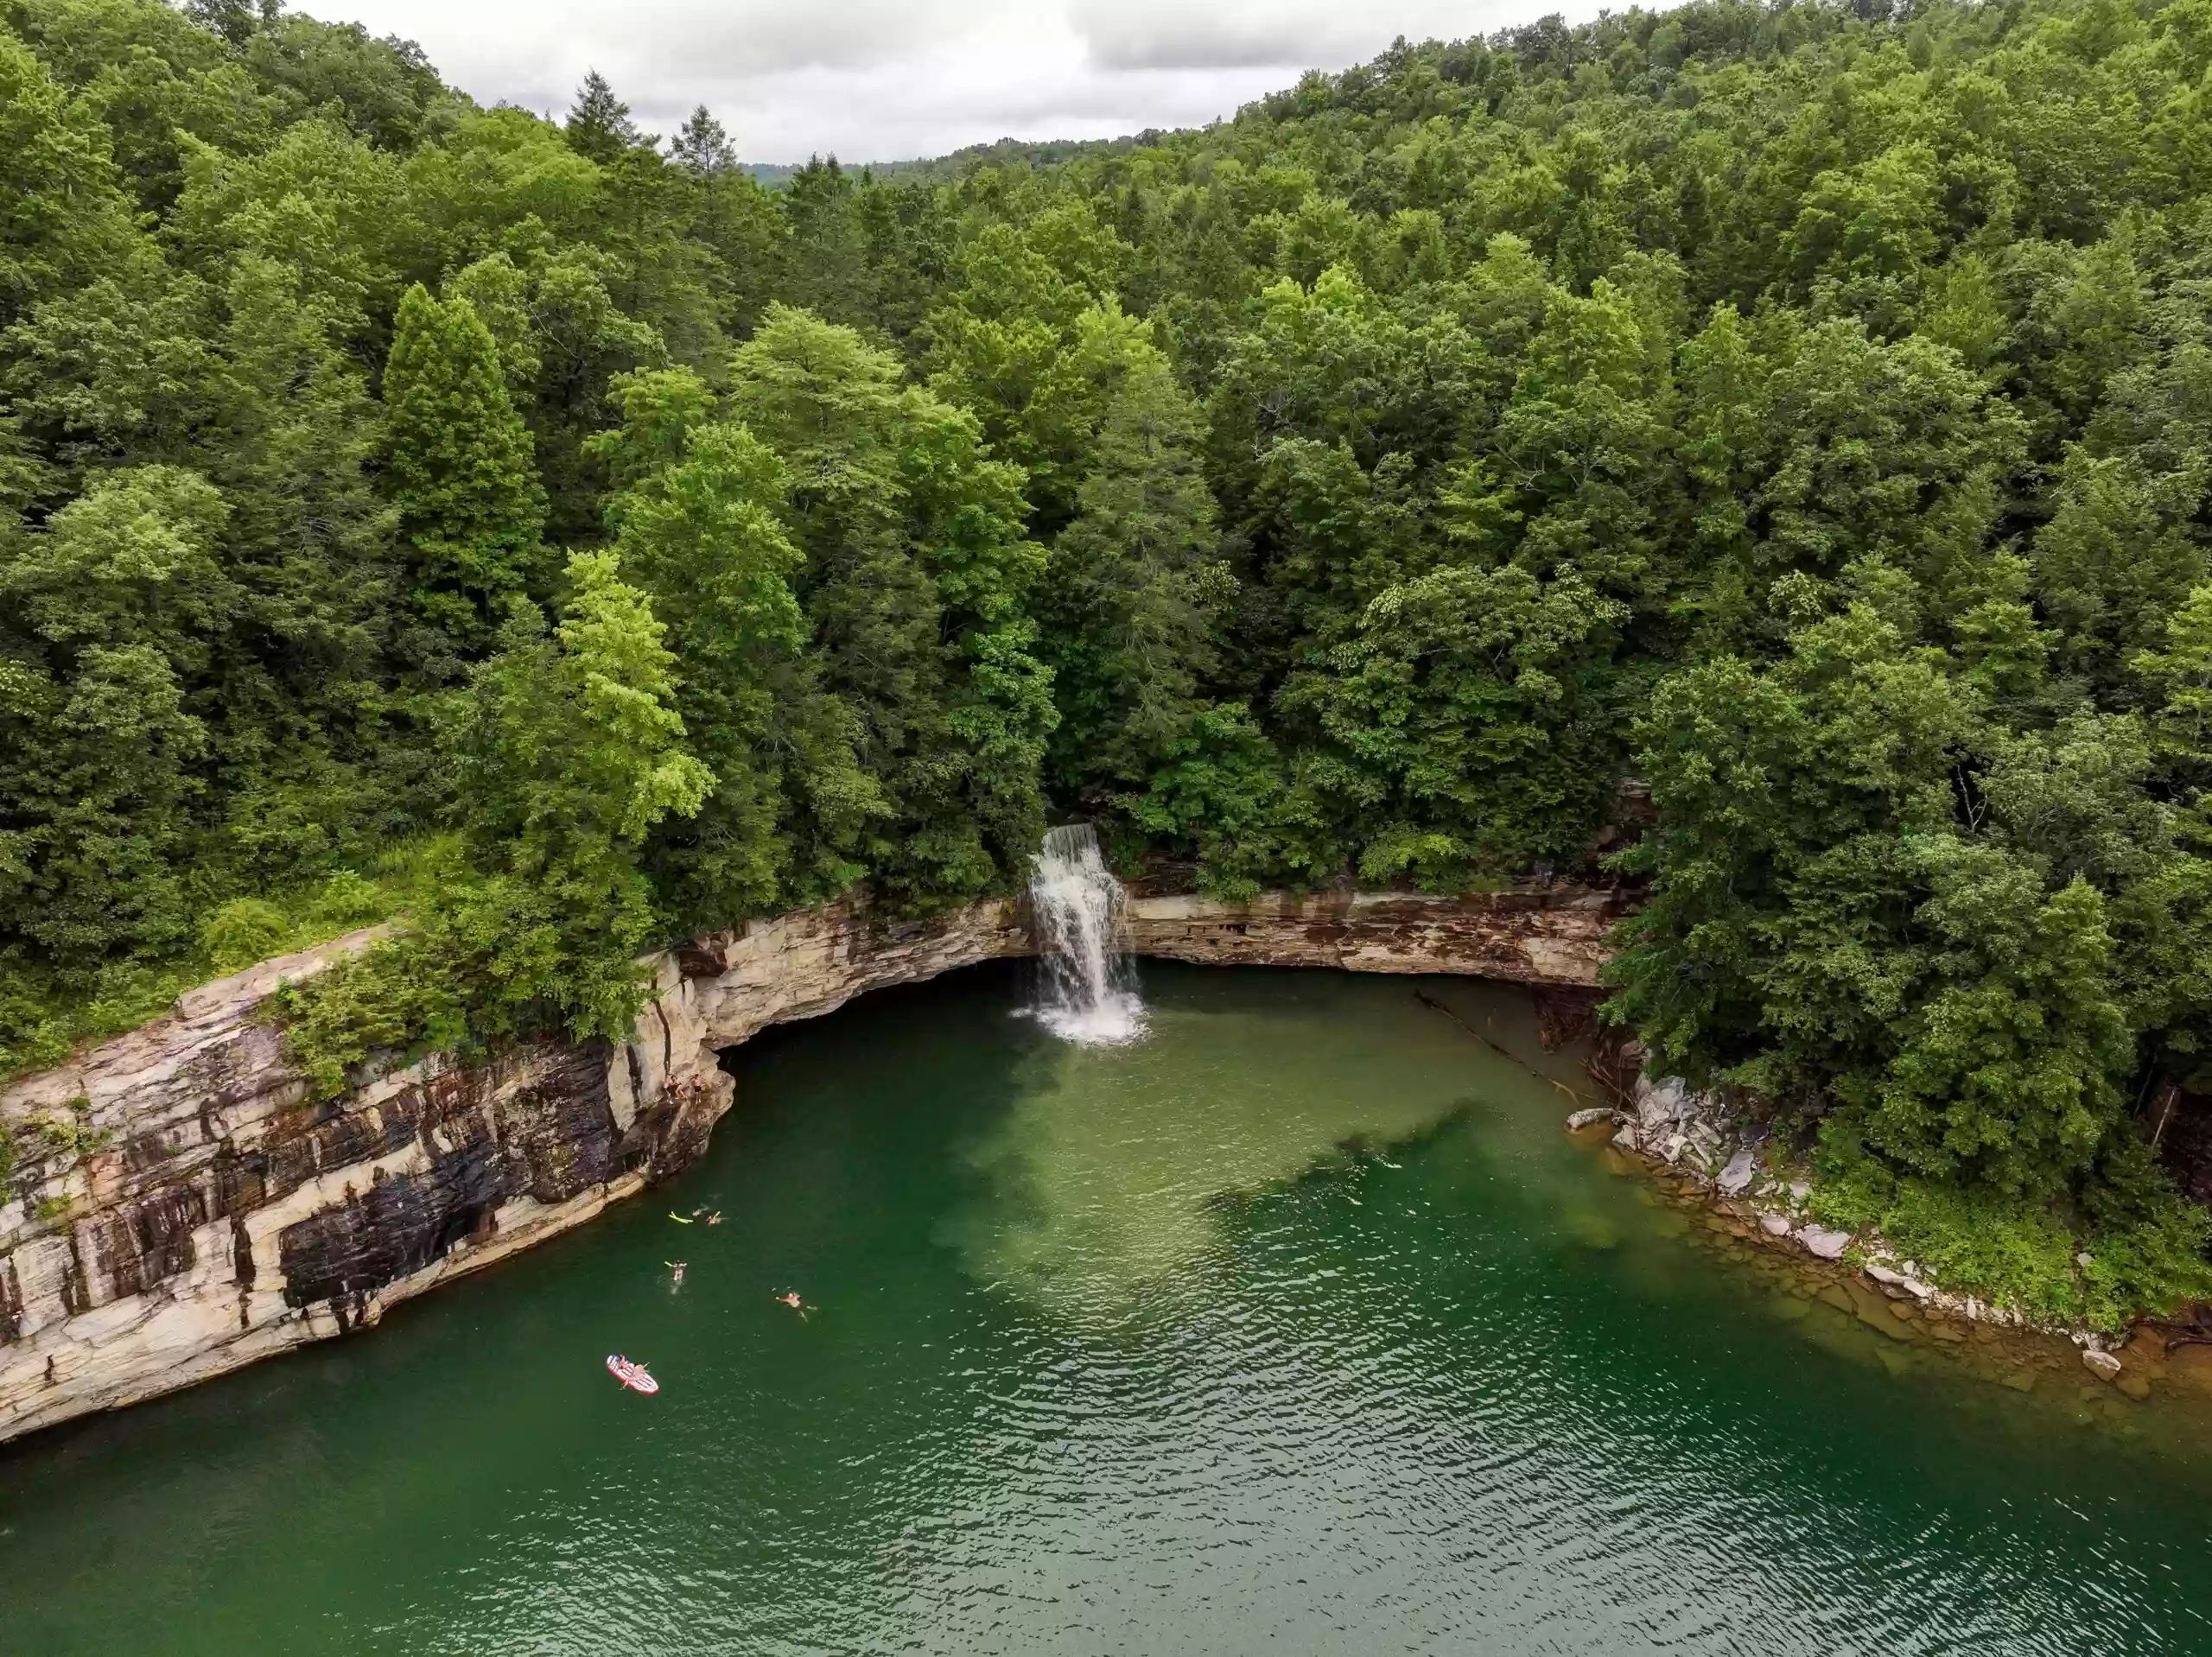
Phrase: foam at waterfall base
(1085, 992)
(1116, 1018)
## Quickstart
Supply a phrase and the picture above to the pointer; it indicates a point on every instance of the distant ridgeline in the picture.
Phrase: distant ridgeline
(948, 169)
(550, 536)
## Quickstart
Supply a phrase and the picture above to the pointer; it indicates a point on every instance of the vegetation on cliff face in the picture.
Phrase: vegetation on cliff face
(1806, 407)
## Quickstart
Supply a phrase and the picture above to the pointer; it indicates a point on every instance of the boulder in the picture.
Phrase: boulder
(1775, 1225)
(2102, 1365)
(1659, 1104)
(1736, 1178)
(1592, 1117)
(1824, 1243)
(1903, 1282)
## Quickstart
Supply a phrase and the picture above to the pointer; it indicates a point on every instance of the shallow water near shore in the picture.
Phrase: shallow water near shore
(1298, 1325)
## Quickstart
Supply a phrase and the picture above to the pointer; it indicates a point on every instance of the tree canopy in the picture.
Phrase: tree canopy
(1804, 409)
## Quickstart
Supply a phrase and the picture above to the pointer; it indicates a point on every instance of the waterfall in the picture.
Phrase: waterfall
(1087, 996)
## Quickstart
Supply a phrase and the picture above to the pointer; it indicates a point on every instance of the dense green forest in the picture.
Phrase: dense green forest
(549, 534)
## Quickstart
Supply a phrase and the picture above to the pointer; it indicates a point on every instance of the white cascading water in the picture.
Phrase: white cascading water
(1087, 996)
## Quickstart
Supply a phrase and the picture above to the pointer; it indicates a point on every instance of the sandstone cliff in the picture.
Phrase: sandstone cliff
(179, 1208)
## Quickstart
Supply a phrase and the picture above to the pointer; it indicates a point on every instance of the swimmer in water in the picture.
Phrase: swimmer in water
(676, 1267)
(715, 1218)
(789, 1298)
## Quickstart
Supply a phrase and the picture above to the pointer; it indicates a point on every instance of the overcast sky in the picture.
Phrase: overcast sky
(889, 80)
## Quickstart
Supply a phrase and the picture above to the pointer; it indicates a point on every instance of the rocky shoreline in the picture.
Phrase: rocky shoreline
(1689, 1146)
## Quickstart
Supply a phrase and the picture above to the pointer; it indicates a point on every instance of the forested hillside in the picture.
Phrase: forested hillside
(548, 533)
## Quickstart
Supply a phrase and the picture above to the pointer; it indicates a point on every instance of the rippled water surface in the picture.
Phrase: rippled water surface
(1298, 1326)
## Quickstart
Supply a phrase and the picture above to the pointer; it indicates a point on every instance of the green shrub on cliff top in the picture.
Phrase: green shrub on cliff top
(572, 753)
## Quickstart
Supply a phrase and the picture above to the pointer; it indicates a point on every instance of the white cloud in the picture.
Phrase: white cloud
(884, 80)
(1272, 33)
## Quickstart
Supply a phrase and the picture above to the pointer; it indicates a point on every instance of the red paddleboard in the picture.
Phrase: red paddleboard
(632, 1376)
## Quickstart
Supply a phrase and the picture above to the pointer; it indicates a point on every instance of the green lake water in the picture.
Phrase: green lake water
(1298, 1326)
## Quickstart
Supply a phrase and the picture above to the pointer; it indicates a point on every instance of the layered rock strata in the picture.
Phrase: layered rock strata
(1551, 937)
(179, 1207)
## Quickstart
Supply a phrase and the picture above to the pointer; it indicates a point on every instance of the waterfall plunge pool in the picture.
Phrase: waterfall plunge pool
(1297, 1326)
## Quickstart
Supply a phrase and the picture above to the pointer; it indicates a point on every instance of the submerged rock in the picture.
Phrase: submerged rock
(1591, 1118)
(2189, 1366)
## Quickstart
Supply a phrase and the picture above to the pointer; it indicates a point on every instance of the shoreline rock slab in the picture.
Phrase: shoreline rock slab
(1736, 1178)
(1822, 1243)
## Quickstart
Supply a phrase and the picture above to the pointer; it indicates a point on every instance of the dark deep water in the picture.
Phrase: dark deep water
(1299, 1327)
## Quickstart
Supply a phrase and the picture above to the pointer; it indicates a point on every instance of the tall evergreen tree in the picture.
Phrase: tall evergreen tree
(1134, 591)
(469, 503)
(598, 127)
(702, 148)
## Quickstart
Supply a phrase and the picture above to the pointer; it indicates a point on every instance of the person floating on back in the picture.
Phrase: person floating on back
(789, 1298)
